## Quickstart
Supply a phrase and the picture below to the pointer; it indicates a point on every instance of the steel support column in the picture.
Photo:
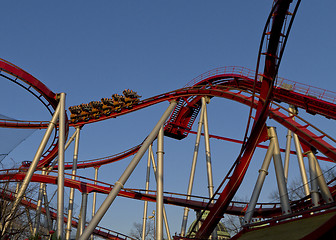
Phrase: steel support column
(284, 200)
(322, 182)
(144, 219)
(293, 111)
(159, 186)
(72, 190)
(60, 179)
(260, 181)
(94, 197)
(32, 167)
(164, 210)
(46, 206)
(124, 177)
(39, 207)
(192, 171)
(313, 179)
(288, 144)
(207, 148)
(83, 212)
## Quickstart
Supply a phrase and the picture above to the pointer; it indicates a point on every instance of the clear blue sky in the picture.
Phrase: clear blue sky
(92, 49)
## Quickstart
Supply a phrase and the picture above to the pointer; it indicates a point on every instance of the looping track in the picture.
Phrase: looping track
(42, 93)
(233, 83)
(262, 92)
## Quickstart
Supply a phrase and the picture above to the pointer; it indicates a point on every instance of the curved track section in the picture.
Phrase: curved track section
(263, 210)
(42, 93)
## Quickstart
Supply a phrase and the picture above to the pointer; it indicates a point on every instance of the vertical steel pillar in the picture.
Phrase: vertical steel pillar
(46, 206)
(164, 210)
(313, 180)
(32, 167)
(39, 207)
(322, 183)
(301, 165)
(94, 197)
(192, 171)
(208, 154)
(288, 144)
(287, 154)
(60, 179)
(83, 212)
(293, 111)
(260, 181)
(124, 177)
(159, 186)
(284, 200)
(144, 219)
(72, 190)
(207, 148)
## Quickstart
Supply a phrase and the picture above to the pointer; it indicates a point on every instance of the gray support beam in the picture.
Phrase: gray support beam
(284, 200)
(321, 181)
(94, 200)
(192, 172)
(72, 190)
(263, 172)
(159, 186)
(83, 212)
(32, 167)
(301, 165)
(60, 179)
(144, 219)
(287, 153)
(39, 207)
(46, 206)
(124, 177)
(293, 111)
(323, 185)
(207, 149)
(164, 209)
(313, 179)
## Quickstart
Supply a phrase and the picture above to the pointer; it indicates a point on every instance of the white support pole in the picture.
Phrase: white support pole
(39, 207)
(313, 179)
(124, 177)
(207, 148)
(94, 197)
(60, 179)
(301, 165)
(205, 100)
(284, 200)
(263, 172)
(192, 172)
(304, 177)
(287, 154)
(46, 206)
(72, 190)
(320, 180)
(288, 144)
(164, 209)
(144, 219)
(83, 212)
(32, 167)
(159, 186)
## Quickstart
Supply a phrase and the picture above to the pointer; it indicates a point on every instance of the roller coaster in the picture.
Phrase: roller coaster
(268, 97)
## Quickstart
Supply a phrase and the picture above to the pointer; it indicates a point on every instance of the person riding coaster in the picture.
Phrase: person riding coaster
(96, 108)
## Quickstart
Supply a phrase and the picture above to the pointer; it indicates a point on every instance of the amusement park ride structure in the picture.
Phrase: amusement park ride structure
(262, 92)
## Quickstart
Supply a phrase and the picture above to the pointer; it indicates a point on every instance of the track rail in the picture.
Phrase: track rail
(32, 204)
(42, 93)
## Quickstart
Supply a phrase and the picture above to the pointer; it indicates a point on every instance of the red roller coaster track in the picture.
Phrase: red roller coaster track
(261, 91)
